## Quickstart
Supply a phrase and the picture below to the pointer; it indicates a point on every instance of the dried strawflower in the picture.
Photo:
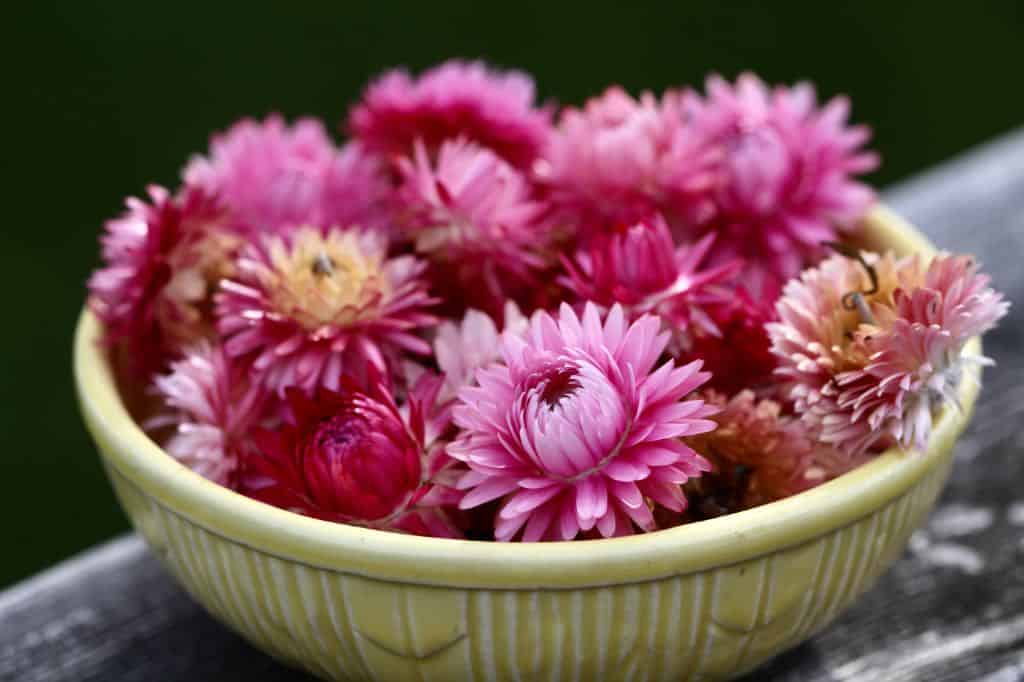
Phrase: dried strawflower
(639, 267)
(576, 430)
(735, 346)
(357, 457)
(619, 159)
(356, 192)
(359, 308)
(873, 346)
(211, 406)
(274, 176)
(456, 99)
(785, 172)
(471, 344)
(161, 260)
(472, 216)
(772, 453)
(312, 306)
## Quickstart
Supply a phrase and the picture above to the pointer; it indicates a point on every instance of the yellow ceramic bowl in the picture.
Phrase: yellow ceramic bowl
(708, 600)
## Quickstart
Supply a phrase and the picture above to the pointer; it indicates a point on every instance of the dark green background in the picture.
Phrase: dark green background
(99, 100)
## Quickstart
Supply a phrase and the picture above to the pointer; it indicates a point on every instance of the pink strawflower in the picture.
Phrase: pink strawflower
(312, 306)
(619, 159)
(357, 457)
(473, 217)
(161, 262)
(774, 452)
(211, 406)
(473, 343)
(576, 430)
(274, 176)
(872, 350)
(456, 99)
(640, 267)
(357, 191)
(786, 170)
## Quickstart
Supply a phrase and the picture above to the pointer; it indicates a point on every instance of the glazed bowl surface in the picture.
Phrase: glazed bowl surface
(709, 600)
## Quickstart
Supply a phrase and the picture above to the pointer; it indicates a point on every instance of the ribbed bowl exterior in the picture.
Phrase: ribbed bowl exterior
(712, 624)
(702, 602)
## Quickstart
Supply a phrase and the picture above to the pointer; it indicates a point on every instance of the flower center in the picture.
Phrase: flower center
(336, 280)
(571, 419)
(562, 384)
(340, 436)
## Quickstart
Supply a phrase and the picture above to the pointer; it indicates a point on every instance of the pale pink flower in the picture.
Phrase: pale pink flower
(275, 176)
(619, 159)
(872, 350)
(471, 344)
(358, 457)
(455, 99)
(161, 263)
(312, 306)
(785, 173)
(576, 430)
(640, 267)
(211, 406)
(473, 217)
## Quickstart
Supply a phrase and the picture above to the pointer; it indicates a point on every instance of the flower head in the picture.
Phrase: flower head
(872, 349)
(274, 176)
(766, 453)
(211, 406)
(456, 99)
(472, 216)
(356, 191)
(161, 262)
(312, 306)
(639, 267)
(785, 172)
(357, 457)
(735, 346)
(577, 430)
(619, 159)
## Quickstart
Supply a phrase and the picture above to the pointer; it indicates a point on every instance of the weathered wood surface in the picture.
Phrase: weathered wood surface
(951, 609)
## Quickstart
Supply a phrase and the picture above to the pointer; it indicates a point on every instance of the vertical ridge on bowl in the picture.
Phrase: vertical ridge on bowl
(705, 601)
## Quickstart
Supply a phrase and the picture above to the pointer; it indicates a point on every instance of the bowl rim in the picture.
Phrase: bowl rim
(442, 562)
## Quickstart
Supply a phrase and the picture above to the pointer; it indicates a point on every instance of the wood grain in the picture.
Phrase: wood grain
(951, 609)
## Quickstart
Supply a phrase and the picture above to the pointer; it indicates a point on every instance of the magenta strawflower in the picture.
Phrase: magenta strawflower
(357, 457)
(492, 108)
(313, 306)
(576, 430)
(640, 267)
(473, 217)
(274, 176)
(873, 349)
(211, 406)
(785, 173)
(735, 346)
(619, 159)
(356, 191)
(161, 262)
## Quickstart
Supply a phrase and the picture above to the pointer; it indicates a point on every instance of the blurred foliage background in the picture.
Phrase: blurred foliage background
(102, 98)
